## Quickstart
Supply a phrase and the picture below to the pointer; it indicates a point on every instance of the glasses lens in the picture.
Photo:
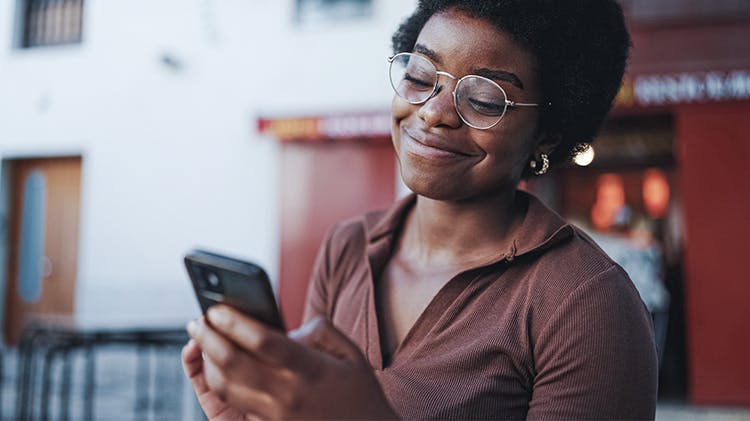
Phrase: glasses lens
(480, 102)
(413, 77)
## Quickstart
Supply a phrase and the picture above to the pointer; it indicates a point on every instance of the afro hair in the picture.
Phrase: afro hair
(581, 45)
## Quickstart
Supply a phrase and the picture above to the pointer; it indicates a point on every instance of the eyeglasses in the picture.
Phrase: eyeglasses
(480, 102)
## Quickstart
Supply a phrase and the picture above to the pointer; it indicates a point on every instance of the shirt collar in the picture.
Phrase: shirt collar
(540, 228)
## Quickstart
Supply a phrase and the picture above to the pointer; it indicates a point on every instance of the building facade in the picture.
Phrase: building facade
(155, 104)
(143, 129)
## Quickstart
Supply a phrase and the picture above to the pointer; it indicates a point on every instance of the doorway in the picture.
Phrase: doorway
(43, 220)
(323, 183)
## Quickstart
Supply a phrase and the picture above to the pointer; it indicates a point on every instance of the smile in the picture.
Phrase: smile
(430, 147)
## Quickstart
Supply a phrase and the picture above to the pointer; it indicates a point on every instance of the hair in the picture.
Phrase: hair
(581, 47)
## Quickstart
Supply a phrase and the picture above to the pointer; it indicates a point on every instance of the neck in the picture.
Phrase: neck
(439, 232)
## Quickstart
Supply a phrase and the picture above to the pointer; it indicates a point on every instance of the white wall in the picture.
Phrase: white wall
(171, 159)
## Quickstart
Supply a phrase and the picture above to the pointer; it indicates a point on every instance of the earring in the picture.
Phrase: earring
(545, 165)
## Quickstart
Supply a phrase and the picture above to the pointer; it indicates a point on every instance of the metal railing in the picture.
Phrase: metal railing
(65, 371)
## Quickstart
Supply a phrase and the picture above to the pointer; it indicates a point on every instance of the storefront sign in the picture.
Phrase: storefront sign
(684, 88)
(345, 126)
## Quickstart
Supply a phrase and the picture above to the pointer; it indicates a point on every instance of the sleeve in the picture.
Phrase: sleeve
(316, 303)
(596, 357)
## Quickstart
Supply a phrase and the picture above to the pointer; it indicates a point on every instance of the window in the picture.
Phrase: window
(31, 253)
(50, 22)
(319, 11)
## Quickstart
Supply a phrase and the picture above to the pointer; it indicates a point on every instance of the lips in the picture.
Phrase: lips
(426, 144)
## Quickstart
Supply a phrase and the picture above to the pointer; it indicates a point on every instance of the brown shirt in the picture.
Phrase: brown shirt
(551, 329)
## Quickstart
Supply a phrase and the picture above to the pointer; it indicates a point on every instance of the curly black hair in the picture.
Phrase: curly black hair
(582, 47)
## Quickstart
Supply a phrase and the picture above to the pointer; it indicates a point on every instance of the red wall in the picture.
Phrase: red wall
(714, 160)
(324, 183)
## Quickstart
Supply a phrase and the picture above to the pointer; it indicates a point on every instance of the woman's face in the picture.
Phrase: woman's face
(440, 156)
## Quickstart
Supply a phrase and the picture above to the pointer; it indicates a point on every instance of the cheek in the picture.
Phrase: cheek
(510, 148)
(524, 133)
(400, 110)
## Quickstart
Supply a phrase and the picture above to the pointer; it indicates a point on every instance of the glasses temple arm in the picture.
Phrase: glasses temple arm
(525, 104)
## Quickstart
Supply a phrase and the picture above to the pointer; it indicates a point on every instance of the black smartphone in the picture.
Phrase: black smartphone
(240, 284)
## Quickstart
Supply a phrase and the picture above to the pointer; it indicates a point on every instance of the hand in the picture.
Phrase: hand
(214, 408)
(315, 373)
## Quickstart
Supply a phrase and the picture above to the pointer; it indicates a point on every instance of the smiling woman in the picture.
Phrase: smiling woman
(478, 162)
(469, 298)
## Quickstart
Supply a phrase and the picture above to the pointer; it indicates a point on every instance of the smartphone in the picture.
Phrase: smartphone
(240, 284)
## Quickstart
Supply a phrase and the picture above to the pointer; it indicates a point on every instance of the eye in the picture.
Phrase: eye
(416, 82)
(487, 108)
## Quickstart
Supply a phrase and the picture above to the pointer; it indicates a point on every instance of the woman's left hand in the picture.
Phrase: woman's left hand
(314, 373)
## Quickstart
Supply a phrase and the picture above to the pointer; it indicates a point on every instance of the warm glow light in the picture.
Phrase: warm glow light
(610, 204)
(585, 157)
(655, 193)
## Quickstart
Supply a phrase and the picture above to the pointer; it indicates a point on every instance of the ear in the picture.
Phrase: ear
(546, 143)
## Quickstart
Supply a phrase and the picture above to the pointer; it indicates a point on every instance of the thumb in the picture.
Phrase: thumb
(320, 334)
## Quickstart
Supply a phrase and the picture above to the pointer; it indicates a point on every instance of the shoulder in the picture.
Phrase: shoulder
(555, 246)
(347, 234)
(576, 266)
(577, 259)
(566, 274)
(348, 243)
(559, 257)
(351, 237)
(580, 296)
(591, 335)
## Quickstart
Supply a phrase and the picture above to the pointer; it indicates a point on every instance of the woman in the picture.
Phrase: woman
(468, 299)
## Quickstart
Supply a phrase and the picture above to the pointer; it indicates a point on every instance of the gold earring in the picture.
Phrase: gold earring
(545, 165)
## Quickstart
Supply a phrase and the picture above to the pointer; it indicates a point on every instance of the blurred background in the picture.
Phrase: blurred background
(132, 131)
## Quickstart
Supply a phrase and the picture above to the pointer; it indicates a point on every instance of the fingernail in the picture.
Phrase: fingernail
(192, 327)
(218, 317)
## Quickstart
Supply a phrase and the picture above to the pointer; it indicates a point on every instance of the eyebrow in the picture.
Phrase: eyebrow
(421, 49)
(499, 75)
(488, 73)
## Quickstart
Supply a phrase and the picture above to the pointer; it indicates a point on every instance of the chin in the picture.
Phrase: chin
(455, 189)
(433, 188)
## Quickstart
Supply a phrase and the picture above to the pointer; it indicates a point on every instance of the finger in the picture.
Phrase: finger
(234, 365)
(191, 358)
(320, 334)
(192, 363)
(267, 344)
(239, 396)
(211, 342)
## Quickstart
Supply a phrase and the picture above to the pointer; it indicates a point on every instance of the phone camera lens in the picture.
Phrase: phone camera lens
(210, 280)
(213, 279)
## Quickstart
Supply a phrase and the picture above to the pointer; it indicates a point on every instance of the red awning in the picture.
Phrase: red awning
(372, 125)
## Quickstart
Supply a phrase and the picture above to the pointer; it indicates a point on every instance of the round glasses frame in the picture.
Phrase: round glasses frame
(436, 86)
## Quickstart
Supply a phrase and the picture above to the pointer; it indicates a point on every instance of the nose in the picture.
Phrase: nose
(440, 109)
